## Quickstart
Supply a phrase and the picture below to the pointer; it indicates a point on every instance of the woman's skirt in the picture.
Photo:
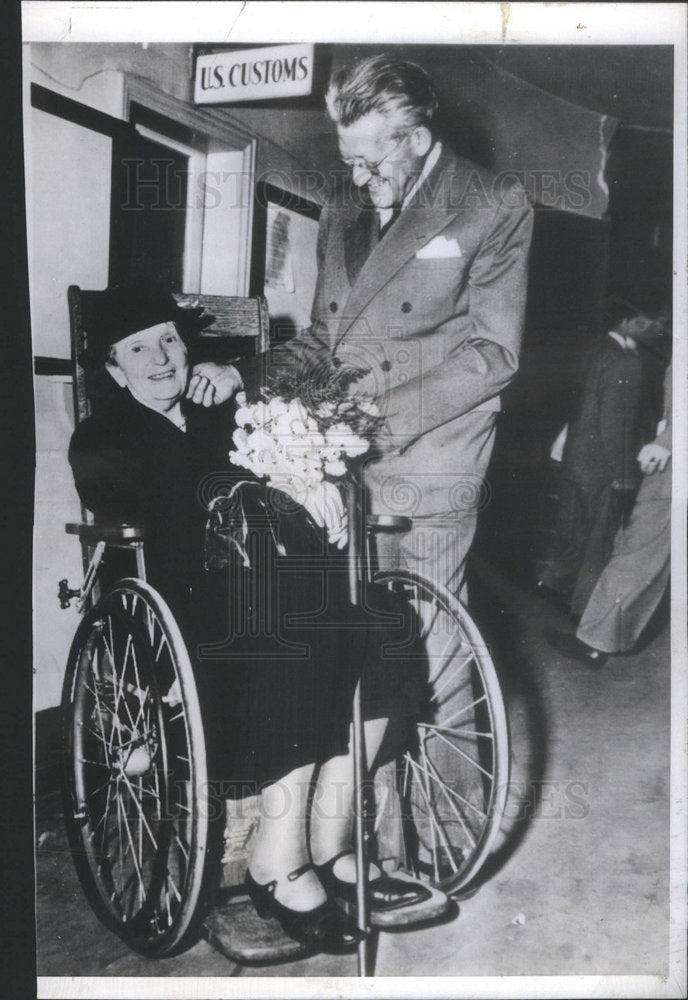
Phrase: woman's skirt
(278, 646)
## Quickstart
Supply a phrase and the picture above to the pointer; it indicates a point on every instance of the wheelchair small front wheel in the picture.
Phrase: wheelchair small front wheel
(454, 776)
(135, 777)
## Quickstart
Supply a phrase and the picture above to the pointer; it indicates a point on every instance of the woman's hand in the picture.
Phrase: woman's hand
(653, 458)
(211, 384)
(325, 505)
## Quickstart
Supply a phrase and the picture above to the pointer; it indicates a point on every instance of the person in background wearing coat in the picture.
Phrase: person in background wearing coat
(633, 582)
(422, 269)
(616, 415)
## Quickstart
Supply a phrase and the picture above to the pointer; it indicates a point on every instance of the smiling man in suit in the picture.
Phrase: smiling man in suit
(422, 272)
(422, 279)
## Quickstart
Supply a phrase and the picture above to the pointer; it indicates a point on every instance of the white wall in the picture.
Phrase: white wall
(69, 222)
(68, 171)
(93, 73)
(69, 166)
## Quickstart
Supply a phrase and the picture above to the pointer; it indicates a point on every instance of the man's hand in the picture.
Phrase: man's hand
(652, 458)
(212, 384)
(385, 443)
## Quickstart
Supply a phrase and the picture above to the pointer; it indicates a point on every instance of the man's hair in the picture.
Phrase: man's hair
(382, 83)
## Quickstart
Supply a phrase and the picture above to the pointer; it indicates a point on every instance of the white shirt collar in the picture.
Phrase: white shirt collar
(619, 339)
(430, 161)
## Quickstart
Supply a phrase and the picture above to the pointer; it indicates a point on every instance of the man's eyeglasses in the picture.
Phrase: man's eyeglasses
(370, 168)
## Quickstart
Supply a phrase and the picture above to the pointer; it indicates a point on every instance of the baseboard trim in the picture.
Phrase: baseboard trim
(47, 751)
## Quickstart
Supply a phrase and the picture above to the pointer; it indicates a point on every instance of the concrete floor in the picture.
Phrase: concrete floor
(580, 881)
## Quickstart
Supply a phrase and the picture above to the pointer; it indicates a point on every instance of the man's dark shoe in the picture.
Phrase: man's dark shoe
(572, 647)
(553, 597)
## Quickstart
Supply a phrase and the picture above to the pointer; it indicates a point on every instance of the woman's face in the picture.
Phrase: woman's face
(152, 365)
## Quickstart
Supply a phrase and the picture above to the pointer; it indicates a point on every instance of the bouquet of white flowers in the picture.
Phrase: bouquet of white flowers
(303, 445)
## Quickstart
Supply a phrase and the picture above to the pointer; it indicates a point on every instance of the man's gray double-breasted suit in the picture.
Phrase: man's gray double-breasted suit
(435, 315)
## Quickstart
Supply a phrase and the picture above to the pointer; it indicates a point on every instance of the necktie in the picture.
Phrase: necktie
(396, 212)
(363, 236)
(360, 240)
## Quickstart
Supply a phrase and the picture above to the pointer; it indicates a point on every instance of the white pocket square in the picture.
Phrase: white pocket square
(439, 248)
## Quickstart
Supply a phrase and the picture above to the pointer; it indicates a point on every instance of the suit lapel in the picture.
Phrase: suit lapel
(426, 214)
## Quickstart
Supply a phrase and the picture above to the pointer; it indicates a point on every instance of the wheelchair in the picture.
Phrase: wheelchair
(137, 804)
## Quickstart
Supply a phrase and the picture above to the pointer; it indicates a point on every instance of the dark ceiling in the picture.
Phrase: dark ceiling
(632, 83)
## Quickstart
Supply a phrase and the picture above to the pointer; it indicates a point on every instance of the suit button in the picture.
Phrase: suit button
(406, 307)
(385, 365)
(333, 307)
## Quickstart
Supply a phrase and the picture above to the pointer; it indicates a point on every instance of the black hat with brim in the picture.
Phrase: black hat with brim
(120, 310)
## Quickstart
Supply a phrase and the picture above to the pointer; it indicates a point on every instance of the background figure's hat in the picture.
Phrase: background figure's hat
(625, 318)
(120, 310)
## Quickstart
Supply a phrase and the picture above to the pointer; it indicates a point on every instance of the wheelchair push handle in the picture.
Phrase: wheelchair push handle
(111, 533)
(388, 522)
(358, 533)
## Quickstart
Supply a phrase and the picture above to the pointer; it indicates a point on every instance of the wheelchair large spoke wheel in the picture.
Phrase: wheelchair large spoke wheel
(454, 775)
(135, 769)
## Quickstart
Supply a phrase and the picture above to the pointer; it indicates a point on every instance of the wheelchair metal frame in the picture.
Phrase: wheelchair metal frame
(451, 832)
(422, 774)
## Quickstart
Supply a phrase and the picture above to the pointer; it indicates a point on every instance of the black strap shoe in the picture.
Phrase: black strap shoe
(575, 649)
(384, 892)
(326, 928)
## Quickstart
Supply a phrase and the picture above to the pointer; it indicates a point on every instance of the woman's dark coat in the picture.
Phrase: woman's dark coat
(277, 648)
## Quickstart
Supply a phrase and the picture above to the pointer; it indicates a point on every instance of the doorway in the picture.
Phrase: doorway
(181, 197)
(148, 225)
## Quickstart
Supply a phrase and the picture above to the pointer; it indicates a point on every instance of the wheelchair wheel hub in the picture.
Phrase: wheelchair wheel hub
(137, 762)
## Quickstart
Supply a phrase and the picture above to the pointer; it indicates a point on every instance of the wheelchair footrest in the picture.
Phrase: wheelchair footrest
(438, 905)
(235, 930)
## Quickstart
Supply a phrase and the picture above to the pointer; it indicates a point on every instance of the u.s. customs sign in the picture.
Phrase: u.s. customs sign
(254, 74)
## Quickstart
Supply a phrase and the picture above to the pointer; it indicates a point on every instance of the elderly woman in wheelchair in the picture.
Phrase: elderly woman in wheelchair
(275, 697)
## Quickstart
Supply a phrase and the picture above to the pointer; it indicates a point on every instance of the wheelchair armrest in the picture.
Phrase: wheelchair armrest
(113, 534)
(388, 522)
